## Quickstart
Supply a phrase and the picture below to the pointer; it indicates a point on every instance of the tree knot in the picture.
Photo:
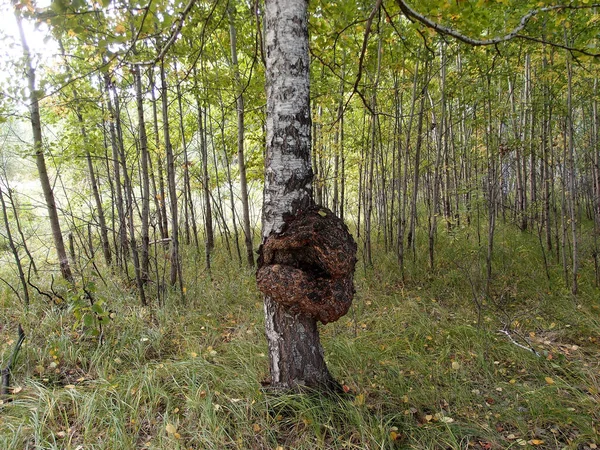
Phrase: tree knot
(309, 265)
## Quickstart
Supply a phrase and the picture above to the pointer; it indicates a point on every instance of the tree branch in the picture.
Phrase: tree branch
(515, 33)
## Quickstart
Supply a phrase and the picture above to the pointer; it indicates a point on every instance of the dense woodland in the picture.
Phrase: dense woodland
(458, 140)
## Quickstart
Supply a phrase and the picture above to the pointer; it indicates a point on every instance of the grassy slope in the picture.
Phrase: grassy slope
(424, 370)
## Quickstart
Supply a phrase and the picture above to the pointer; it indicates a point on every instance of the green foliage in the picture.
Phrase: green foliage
(89, 311)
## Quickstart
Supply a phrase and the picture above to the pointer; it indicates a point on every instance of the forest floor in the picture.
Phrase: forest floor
(428, 360)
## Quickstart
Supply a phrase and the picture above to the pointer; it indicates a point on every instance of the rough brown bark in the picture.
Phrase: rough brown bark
(309, 266)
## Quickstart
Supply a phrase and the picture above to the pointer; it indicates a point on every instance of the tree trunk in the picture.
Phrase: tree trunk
(36, 126)
(175, 262)
(121, 244)
(14, 250)
(571, 177)
(145, 258)
(295, 353)
(159, 195)
(240, 145)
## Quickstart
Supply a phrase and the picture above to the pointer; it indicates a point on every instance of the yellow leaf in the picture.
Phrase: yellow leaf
(17, 389)
(536, 442)
(70, 386)
(120, 29)
(549, 380)
(360, 400)
(455, 365)
(256, 428)
(171, 429)
(394, 436)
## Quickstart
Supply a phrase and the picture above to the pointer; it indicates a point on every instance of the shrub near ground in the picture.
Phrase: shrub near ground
(421, 358)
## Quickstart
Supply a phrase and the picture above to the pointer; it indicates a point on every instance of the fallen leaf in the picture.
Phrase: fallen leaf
(171, 429)
(549, 380)
(17, 389)
(256, 428)
(70, 386)
(536, 442)
(359, 400)
(455, 365)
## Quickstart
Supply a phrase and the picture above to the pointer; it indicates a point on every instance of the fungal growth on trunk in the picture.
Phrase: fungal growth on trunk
(309, 266)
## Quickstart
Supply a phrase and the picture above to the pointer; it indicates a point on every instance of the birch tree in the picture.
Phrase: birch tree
(295, 352)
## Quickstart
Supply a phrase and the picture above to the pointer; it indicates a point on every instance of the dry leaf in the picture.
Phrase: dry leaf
(171, 429)
(359, 400)
(549, 380)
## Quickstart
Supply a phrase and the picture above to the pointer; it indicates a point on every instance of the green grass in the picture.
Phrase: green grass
(425, 369)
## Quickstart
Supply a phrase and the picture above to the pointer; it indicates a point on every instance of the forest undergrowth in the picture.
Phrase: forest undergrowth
(426, 360)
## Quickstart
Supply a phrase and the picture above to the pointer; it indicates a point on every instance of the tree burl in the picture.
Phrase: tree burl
(309, 266)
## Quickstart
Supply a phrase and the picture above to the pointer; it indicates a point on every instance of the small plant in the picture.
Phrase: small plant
(89, 310)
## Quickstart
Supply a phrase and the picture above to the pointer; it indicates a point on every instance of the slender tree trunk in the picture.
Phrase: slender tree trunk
(571, 177)
(114, 126)
(14, 250)
(160, 195)
(15, 209)
(208, 221)
(175, 258)
(240, 143)
(440, 130)
(128, 191)
(36, 126)
(416, 175)
(144, 157)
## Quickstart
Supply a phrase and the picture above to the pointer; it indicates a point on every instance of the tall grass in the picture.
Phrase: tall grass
(420, 355)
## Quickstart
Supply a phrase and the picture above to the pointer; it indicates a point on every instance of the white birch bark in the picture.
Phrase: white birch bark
(296, 356)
